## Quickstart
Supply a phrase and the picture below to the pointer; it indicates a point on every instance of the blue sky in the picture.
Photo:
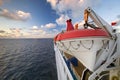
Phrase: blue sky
(45, 18)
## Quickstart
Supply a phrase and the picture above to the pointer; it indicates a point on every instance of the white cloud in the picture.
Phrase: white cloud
(73, 8)
(18, 15)
(16, 32)
(62, 19)
(27, 33)
(39, 34)
(34, 28)
(55, 30)
(42, 26)
(2, 31)
(33, 32)
(53, 2)
(23, 15)
(43, 31)
(50, 25)
(11, 33)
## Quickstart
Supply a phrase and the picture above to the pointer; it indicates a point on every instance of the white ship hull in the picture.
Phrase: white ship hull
(63, 72)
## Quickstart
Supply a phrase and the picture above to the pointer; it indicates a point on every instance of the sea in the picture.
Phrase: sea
(27, 59)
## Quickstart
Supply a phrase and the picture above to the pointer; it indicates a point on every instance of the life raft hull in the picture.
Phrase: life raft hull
(83, 44)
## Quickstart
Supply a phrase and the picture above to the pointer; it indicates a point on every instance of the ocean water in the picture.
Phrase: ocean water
(27, 59)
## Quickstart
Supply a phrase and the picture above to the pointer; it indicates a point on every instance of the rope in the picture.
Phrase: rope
(78, 45)
(85, 46)
(64, 46)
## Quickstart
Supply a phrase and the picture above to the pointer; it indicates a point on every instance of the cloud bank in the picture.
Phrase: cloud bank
(50, 25)
(18, 15)
(2, 31)
(62, 19)
(72, 8)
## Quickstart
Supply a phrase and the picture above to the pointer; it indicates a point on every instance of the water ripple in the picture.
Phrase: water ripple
(27, 59)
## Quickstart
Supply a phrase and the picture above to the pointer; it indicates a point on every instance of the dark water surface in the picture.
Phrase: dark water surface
(27, 59)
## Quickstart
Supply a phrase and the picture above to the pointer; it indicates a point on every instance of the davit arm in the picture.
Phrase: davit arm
(98, 21)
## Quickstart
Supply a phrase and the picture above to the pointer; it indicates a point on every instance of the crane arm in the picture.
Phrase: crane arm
(98, 21)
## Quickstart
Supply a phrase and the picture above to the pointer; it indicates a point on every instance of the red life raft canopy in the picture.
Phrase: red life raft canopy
(82, 33)
(72, 33)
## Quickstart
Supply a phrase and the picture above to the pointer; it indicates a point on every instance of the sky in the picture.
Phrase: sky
(46, 18)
